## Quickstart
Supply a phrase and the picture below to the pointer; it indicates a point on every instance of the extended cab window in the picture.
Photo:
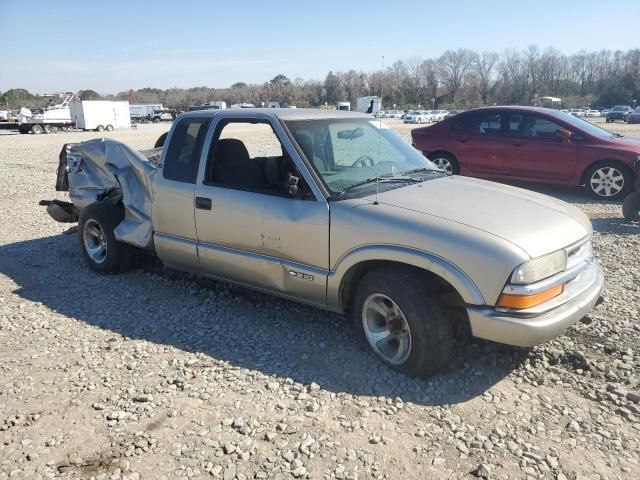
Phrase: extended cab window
(249, 156)
(184, 149)
(482, 123)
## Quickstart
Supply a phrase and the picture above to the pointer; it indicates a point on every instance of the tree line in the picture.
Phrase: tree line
(459, 78)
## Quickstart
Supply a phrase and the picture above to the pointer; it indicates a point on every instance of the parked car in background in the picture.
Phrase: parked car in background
(634, 116)
(419, 116)
(592, 113)
(532, 144)
(451, 113)
(577, 112)
(604, 112)
(619, 112)
(438, 115)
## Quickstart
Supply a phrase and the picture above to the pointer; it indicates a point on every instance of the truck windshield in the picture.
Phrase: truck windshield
(354, 153)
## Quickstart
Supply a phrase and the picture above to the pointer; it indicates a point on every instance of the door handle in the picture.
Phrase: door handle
(203, 203)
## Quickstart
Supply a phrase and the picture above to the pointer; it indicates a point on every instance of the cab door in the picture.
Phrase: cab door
(251, 229)
(175, 237)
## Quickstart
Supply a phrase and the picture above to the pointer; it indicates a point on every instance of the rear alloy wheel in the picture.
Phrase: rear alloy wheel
(109, 128)
(37, 129)
(608, 181)
(47, 128)
(100, 128)
(101, 250)
(631, 207)
(445, 162)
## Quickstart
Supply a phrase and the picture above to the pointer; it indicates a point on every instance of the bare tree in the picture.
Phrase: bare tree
(485, 69)
(453, 66)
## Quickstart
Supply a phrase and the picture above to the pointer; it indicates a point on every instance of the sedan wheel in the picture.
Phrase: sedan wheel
(607, 182)
(95, 241)
(443, 164)
(386, 329)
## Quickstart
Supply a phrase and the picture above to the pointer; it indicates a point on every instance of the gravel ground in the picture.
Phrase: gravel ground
(154, 374)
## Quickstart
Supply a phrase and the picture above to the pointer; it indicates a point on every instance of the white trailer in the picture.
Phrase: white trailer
(370, 105)
(100, 114)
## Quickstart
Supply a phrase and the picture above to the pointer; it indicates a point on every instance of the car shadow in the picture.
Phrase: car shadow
(245, 328)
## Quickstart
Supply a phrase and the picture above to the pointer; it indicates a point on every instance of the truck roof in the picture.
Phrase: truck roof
(279, 113)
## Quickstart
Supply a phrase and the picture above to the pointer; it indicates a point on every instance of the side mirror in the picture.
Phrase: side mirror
(564, 134)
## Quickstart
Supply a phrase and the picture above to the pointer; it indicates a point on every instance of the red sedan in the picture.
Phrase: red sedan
(532, 144)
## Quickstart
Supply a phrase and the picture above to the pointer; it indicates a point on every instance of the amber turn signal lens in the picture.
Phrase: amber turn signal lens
(520, 302)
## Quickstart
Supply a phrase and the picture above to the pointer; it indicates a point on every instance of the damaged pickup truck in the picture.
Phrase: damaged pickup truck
(342, 214)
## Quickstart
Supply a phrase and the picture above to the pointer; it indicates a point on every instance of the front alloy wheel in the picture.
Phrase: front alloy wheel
(607, 182)
(386, 329)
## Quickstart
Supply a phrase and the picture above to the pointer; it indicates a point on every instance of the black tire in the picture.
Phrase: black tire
(109, 128)
(100, 128)
(118, 256)
(47, 128)
(160, 141)
(430, 332)
(156, 119)
(608, 121)
(627, 180)
(631, 207)
(37, 129)
(455, 166)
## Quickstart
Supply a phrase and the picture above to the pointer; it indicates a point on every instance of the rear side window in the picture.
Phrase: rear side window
(481, 123)
(183, 154)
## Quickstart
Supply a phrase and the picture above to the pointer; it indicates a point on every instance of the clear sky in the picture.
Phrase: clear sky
(112, 45)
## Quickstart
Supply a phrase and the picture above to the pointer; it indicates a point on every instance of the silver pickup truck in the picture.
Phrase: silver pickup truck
(338, 212)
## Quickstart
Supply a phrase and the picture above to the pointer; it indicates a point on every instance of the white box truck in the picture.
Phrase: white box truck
(145, 110)
(100, 114)
(370, 105)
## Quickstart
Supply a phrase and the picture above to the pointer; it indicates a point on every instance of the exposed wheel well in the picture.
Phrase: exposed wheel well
(449, 296)
(583, 177)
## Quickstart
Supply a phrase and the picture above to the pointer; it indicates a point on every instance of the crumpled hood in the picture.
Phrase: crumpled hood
(536, 223)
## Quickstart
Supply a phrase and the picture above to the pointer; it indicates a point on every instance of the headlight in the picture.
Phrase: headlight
(540, 268)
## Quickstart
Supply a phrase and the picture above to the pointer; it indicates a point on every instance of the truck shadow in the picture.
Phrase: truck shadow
(247, 329)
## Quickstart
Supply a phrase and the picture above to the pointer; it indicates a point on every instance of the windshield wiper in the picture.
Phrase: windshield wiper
(371, 180)
(421, 170)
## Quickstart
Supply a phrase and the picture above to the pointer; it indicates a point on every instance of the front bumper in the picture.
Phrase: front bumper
(525, 331)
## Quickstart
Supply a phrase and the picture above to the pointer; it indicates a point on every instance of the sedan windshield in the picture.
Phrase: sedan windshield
(351, 154)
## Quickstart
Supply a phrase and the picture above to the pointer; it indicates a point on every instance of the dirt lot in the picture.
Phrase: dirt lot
(154, 375)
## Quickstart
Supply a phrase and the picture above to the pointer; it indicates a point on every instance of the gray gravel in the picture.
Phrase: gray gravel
(155, 374)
